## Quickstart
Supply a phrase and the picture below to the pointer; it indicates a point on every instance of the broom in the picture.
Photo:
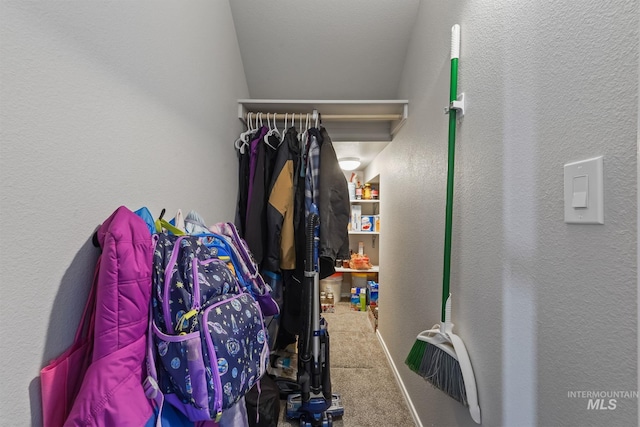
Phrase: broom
(439, 355)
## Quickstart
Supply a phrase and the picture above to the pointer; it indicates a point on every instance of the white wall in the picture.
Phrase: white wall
(102, 104)
(544, 307)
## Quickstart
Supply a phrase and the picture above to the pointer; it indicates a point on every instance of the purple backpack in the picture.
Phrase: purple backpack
(210, 343)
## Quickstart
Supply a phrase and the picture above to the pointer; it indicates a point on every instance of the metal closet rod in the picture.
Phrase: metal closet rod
(333, 117)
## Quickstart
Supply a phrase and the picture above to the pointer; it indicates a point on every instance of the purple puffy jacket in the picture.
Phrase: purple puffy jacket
(112, 392)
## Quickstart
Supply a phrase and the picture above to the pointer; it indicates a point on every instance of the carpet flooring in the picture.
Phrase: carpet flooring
(361, 374)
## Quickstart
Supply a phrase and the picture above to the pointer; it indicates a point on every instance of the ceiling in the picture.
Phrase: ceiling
(325, 50)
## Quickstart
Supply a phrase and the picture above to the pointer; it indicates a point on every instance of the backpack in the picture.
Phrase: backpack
(209, 340)
(225, 236)
(249, 272)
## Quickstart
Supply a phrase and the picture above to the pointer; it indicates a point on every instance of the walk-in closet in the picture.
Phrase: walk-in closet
(494, 207)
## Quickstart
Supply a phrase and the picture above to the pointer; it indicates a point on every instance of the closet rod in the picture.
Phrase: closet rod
(338, 117)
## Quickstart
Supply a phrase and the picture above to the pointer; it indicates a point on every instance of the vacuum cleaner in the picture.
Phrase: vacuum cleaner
(315, 405)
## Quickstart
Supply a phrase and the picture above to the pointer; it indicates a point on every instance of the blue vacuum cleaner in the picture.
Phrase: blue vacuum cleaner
(315, 405)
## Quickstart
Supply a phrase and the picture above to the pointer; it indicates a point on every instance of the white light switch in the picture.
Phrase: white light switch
(580, 189)
(583, 192)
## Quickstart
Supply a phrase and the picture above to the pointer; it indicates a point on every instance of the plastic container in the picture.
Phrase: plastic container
(359, 280)
(352, 190)
(356, 217)
(332, 284)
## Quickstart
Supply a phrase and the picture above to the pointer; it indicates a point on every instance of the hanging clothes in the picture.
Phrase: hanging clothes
(256, 166)
(291, 319)
(334, 208)
(256, 223)
(312, 178)
(244, 166)
(280, 209)
(279, 187)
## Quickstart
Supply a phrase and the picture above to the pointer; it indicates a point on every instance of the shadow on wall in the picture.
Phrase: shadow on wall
(65, 315)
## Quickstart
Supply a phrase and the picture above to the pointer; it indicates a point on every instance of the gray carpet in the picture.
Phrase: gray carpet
(361, 374)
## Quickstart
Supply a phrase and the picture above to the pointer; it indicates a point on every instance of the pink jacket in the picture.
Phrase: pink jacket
(112, 392)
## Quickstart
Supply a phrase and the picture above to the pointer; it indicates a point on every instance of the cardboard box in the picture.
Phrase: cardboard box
(368, 223)
(356, 217)
(372, 293)
(373, 317)
(356, 303)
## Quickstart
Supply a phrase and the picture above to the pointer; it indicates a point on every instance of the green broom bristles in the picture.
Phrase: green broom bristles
(438, 368)
(414, 359)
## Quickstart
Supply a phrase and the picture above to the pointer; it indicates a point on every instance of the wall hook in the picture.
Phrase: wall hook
(458, 105)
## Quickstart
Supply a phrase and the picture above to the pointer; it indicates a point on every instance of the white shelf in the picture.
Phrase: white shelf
(364, 200)
(351, 120)
(365, 233)
(374, 269)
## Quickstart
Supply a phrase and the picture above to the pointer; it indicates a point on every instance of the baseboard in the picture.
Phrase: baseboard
(396, 374)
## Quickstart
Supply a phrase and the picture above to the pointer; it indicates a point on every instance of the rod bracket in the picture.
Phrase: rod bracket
(457, 105)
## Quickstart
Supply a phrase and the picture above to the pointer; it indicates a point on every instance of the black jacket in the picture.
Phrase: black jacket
(334, 208)
(281, 243)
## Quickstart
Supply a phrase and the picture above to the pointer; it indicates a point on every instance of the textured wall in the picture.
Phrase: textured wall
(102, 104)
(544, 307)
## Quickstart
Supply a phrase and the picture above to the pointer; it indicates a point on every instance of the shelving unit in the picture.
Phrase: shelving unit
(374, 204)
(374, 269)
(369, 207)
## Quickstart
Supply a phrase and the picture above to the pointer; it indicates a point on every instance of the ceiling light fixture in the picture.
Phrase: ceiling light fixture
(349, 163)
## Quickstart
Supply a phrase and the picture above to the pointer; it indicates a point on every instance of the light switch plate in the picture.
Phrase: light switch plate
(583, 192)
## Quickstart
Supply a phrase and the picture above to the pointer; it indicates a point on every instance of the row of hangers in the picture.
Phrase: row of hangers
(252, 126)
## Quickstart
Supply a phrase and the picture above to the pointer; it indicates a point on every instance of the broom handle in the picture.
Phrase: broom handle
(453, 95)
